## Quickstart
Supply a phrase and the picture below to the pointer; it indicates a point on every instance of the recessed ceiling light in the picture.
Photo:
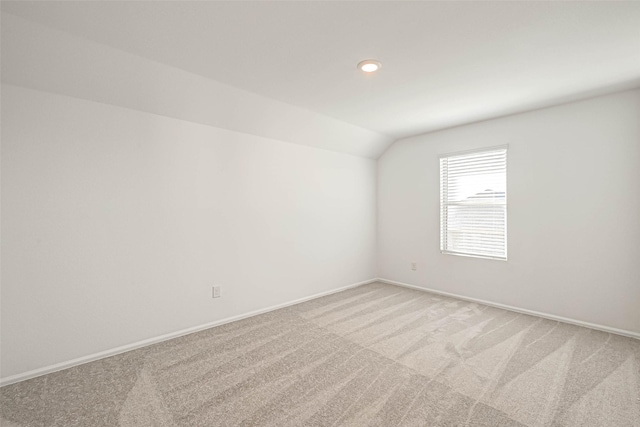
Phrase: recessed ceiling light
(369, 65)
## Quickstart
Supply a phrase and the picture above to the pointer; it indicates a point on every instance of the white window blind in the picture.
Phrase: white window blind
(473, 203)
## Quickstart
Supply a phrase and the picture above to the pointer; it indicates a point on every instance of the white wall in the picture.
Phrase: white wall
(573, 212)
(116, 223)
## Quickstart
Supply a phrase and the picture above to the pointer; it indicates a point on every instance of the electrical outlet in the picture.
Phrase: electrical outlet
(414, 266)
(216, 292)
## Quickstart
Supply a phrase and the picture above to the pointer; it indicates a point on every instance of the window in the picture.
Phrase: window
(473, 203)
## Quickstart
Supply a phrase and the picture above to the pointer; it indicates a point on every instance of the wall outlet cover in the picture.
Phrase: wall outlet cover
(216, 292)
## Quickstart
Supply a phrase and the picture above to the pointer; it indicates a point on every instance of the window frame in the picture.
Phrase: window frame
(443, 249)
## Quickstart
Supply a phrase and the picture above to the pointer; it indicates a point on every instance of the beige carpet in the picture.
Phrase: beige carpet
(376, 355)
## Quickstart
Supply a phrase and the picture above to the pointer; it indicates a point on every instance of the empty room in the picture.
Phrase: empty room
(320, 213)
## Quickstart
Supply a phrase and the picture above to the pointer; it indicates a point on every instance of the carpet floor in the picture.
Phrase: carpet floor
(375, 355)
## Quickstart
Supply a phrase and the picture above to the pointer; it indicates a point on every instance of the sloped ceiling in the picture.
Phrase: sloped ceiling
(444, 63)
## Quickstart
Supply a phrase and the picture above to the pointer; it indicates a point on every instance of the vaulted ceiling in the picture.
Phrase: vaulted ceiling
(444, 63)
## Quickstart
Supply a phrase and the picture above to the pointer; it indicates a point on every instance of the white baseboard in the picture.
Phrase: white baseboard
(603, 328)
(114, 351)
